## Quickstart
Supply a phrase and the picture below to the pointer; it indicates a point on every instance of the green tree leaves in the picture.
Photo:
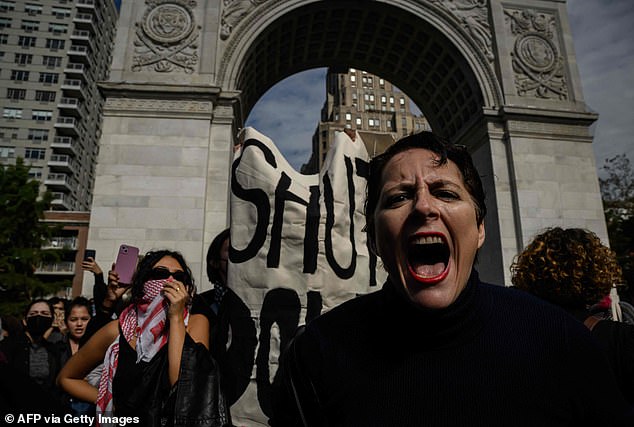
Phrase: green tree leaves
(22, 235)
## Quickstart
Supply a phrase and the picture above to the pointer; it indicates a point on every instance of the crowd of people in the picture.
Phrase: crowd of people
(434, 346)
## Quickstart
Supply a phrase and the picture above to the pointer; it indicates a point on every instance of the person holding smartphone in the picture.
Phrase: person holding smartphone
(157, 366)
(109, 299)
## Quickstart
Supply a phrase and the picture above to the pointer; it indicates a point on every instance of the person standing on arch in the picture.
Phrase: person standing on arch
(436, 346)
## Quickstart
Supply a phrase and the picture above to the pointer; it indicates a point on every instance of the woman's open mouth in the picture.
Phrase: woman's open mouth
(428, 257)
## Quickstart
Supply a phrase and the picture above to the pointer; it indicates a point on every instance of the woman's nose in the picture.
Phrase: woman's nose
(425, 204)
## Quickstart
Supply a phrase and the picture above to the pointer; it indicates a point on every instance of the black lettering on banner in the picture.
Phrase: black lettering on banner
(311, 241)
(261, 201)
(280, 306)
(313, 305)
(363, 170)
(233, 343)
(348, 272)
(311, 228)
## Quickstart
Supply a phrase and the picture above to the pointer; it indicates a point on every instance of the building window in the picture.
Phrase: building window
(391, 100)
(370, 122)
(60, 12)
(358, 121)
(35, 173)
(382, 83)
(7, 152)
(353, 78)
(401, 101)
(348, 117)
(26, 41)
(23, 58)
(30, 25)
(383, 99)
(388, 123)
(42, 115)
(6, 5)
(55, 43)
(57, 28)
(33, 9)
(6, 132)
(4, 38)
(44, 95)
(34, 153)
(12, 113)
(19, 75)
(49, 77)
(16, 93)
(38, 135)
(5, 22)
(52, 61)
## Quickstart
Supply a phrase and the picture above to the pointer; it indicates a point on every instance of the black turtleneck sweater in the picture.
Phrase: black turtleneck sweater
(495, 357)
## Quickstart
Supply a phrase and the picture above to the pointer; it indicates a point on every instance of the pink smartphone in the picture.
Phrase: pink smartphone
(126, 263)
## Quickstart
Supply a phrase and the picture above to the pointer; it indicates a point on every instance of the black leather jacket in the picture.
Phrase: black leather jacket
(143, 390)
(199, 400)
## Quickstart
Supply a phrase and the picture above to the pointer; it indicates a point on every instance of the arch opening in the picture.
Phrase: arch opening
(379, 38)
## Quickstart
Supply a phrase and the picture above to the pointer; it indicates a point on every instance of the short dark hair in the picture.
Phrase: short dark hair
(445, 151)
(77, 302)
(35, 301)
(145, 267)
(54, 300)
(213, 254)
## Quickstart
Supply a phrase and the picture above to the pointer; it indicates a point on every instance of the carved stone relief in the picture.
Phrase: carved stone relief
(537, 61)
(167, 38)
(233, 11)
(473, 16)
(154, 105)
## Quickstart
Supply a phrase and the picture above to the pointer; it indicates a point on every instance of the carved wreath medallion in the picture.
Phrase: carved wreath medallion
(167, 37)
(537, 63)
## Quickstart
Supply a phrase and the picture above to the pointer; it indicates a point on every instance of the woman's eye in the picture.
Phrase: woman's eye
(446, 194)
(395, 199)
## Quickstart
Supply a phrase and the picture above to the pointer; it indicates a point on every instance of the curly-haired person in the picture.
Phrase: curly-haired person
(574, 270)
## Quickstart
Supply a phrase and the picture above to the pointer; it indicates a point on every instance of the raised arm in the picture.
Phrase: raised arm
(198, 327)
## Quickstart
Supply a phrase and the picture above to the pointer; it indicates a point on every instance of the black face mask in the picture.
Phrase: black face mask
(37, 325)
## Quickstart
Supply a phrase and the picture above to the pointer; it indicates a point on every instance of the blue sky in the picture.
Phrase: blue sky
(604, 43)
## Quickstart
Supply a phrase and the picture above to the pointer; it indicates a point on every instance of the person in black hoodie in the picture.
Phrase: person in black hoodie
(574, 270)
(436, 346)
(232, 338)
(31, 364)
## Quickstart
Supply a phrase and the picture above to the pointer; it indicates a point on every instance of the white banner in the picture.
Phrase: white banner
(297, 248)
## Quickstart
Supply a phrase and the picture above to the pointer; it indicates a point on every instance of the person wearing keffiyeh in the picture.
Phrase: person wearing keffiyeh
(142, 350)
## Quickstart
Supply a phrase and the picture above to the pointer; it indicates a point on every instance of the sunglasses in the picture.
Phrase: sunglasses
(161, 273)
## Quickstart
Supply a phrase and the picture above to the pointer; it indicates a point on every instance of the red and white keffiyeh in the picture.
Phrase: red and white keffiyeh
(147, 320)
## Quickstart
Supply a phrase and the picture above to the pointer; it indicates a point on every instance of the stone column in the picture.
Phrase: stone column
(151, 188)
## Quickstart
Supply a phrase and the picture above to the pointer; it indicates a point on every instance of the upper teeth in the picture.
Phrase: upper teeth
(427, 240)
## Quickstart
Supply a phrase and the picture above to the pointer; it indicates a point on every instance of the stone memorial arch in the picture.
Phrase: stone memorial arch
(498, 76)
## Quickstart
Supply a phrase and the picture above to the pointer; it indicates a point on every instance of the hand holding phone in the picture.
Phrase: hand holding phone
(90, 253)
(125, 265)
